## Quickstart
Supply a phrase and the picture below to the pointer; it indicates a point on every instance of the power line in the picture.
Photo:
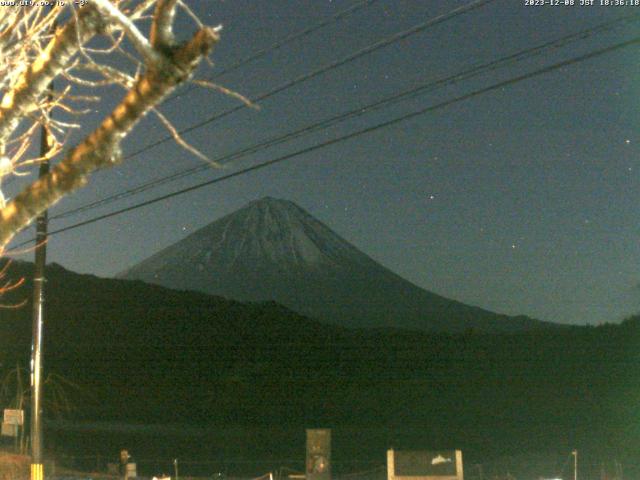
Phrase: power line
(331, 66)
(256, 55)
(388, 123)
(362, 110)
(279, 44)
(364, 51)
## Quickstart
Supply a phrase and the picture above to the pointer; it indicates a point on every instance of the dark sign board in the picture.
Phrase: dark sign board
(424, 465)
(14, 417)
(9, 430)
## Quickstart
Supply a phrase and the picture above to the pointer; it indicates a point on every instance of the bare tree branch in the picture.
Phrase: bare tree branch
(101, 148)
(181, 141)
(136, 37)
(162, 26)
(34, 81)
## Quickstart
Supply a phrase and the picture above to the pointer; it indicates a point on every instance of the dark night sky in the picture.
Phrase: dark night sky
(522, 200)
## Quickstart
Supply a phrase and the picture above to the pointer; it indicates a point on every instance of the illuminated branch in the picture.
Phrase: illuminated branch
(162, 28)
(102, 148)
(32, 55)
(25, 95)
(136, 37)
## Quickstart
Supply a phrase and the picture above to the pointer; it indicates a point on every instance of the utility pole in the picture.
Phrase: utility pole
(37, 469)
(575, 464)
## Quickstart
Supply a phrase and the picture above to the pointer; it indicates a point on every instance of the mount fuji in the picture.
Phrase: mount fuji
(272, 249)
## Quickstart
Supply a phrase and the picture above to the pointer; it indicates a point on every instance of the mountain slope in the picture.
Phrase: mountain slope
(144, 353)
(273, 250)
(143, 349)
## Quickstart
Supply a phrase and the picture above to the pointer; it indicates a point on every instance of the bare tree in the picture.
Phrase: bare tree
(40, 44)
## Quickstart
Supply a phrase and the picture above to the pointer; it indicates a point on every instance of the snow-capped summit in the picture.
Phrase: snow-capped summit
(272, 249)
(270, 231)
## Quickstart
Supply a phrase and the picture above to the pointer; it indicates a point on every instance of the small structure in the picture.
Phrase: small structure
(12, 421)
(424, 465)
(127, 466)
(318, 464)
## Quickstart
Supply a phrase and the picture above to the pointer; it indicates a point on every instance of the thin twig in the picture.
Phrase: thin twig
(180, 141)
(226, 91)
